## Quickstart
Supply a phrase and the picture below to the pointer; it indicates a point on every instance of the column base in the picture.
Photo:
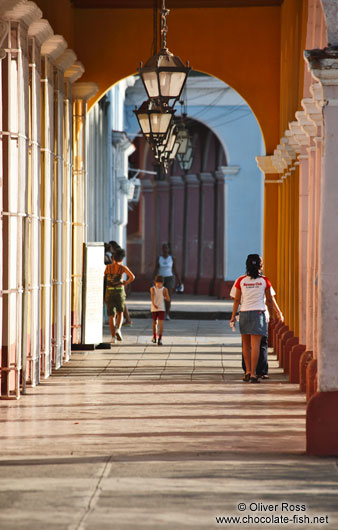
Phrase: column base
(306, 357)
(311, 379)
(283, 340)
(294, 359)
(322, 424)
(290, 343)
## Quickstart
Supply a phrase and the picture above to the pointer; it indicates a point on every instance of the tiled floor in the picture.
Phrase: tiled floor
(146, 437)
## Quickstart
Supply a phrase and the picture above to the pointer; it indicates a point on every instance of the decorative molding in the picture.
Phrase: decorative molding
(84, 90)
(26, 12)
(54, 47)
(74, 72)
(40, 30)
(65, 60)
(227, 172)
(265, 164)
(7, 6)
(305, 124)
(323, 65)
(191, 181)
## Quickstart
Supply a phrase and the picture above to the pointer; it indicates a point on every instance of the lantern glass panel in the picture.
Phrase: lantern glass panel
(183, 138)
(144, 123)
(151, 83)
(160, 122)
(171, 83)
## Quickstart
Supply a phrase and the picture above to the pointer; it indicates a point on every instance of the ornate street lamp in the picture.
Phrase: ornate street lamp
(164, 74)
(154, 122)
(185, 159)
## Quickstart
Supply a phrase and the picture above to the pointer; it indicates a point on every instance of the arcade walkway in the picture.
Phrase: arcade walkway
(147, 437)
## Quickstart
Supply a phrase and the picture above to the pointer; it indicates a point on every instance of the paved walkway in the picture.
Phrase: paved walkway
(149, 437)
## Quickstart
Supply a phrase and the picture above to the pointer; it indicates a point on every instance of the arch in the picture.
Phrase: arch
(226, 52)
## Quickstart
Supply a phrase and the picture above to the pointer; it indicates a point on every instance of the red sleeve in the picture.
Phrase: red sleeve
(238, 282)
(268, 283)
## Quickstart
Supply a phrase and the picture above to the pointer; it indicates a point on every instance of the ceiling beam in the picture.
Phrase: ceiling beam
(147, 4)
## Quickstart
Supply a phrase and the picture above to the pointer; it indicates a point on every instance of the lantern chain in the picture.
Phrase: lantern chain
(164, 28)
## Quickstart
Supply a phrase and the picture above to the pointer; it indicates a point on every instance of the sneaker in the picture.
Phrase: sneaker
(264, 376)
(127, 323)
(118, 335)
(167, 317)
(154, 340)
(160, 343)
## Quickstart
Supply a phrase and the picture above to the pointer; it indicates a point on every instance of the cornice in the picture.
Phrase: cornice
(40, 30)
(84, 90)
(26, 12)
(74, 72)
(54, 47)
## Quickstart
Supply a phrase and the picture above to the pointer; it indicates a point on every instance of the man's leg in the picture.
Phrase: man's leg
(263, 365)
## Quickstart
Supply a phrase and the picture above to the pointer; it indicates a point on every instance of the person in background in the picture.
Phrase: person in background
(159, 295)
(127, 320)
(262, 369)
(115, 294)
(166, 267)
(252, 290)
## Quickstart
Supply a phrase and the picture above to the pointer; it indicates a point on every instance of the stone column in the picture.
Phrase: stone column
(191, 232)
(15, 193)
(322, 418)
(148, 212)
(223, 176)
(176, 230)
(206, 262)
(162, 213)
(81, 92)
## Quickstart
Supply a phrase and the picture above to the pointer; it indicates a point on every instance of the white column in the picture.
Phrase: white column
(324, 67)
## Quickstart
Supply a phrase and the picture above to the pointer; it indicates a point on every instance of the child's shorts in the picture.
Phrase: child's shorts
(158, 315)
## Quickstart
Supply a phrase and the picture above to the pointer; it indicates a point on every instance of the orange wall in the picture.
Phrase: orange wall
(293, 37)
(60, 15)
(239, 46)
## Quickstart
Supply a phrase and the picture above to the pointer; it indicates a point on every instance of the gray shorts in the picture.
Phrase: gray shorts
(169, 282)
(253, 323)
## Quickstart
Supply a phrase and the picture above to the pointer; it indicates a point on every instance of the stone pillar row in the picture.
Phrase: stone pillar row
(308, 352)
(189, 213)
(38, 153)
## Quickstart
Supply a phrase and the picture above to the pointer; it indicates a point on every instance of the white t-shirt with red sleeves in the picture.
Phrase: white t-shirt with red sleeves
(253, 292)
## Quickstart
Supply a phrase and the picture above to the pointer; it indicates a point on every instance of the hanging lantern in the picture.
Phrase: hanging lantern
(185, 159)
(154, 122)
(164, 74)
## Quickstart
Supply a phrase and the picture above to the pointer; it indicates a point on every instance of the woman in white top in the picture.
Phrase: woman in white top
(253, 293)
(166, 267)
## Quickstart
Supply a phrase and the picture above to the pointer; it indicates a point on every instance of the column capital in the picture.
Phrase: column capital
(312, 111)
(84, 90)
(40, 30)
(266, 164)
(323, 64)
(26, 12)
(226, 172)
(176, 182)
(54, 47)
(191, 181)
(162, 185)
(147, 185)
(206, 179)
(74, 72)
(65, 60)
(305, 124)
